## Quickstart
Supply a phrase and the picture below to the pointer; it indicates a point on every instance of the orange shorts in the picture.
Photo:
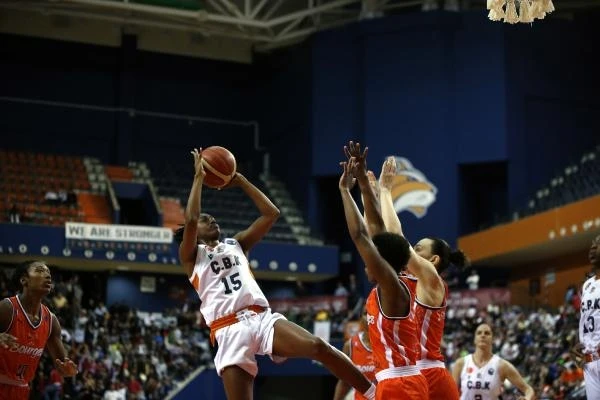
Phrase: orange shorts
(13, 392)
(441, 384)
(403, 388)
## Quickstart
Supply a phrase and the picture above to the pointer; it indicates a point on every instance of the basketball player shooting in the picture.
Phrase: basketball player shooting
(232, 304)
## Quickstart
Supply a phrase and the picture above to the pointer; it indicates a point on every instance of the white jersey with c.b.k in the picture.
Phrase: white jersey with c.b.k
(589, 321)
(223, 280)
(480, 383)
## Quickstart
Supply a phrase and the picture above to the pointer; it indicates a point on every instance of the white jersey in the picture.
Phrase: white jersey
(589, 321)
(223, 281)
(480, 383)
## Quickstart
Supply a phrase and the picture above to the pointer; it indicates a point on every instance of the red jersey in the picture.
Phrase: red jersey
(393, 340)
(430, 325)
(362, 356)
(19, 362)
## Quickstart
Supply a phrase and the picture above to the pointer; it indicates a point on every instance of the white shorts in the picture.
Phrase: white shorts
(591, 376)
(240, 342)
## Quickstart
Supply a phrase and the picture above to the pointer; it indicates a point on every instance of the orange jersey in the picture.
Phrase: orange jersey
(362, 356)
(19, 362)
(430, 325)
(393, 340)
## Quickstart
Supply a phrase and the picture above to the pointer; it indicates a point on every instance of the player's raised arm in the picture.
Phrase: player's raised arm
(189, 243)
(393, 296)
(269, 213)
(431, 289)
(388, 212)
(369, 196)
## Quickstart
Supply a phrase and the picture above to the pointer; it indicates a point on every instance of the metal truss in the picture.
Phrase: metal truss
(268, 24)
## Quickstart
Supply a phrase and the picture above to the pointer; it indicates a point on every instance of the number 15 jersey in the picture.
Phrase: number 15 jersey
(223, 280)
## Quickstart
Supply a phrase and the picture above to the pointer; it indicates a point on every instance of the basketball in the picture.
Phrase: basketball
(219, 165)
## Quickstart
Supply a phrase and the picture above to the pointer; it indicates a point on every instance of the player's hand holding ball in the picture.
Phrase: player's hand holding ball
(220, 167)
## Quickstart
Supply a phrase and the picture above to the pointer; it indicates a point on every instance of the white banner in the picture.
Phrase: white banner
(118, 233)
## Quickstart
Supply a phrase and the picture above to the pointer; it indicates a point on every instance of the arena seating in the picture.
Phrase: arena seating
(575, 182)
(233, 209)
(42, 187)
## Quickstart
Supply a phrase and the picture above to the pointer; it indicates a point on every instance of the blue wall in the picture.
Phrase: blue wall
(445, 89)
(171, 291)
(552, 85)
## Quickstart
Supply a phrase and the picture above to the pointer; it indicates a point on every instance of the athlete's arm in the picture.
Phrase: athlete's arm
(342, 388)
(393, 295)
(508, 371)
(57, 351)
(457, 369)
(6, 313)
(189, 245)
(430, 289)
(375, 186)
(269, 214)
(388, 212)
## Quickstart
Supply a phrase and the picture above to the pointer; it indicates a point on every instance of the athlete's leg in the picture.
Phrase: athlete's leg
(292, 341)
(238, 383)
(591, 376)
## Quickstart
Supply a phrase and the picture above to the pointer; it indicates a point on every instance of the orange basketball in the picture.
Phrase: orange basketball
(219, 165)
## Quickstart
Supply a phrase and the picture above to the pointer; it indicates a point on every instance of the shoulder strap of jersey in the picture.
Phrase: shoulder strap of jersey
(50, 318)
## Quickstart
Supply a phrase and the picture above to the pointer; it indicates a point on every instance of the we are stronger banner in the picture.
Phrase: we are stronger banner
(118, 233)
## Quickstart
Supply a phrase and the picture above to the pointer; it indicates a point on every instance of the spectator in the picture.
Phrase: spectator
(473, 280)
(52, 391)
(60, 301)
(51, 197)
(14, 216)
(300, 289)
(340, 290)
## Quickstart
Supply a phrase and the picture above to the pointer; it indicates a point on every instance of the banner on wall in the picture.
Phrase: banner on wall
(411, 190)
(313, 303)
(479, 298)
(118, 233)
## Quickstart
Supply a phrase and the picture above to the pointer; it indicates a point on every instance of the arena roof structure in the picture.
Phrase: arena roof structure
(264, 24)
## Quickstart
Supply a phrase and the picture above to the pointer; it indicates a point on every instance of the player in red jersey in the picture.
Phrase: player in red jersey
(27, 327)
(429, 258)
(392, 327)
(358, 348)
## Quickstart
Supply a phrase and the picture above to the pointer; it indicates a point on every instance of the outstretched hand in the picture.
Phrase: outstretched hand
(235, 181)
(388, 171)
(7, 340)
(66, 368)
(198, 167)
(347, 179)
(374, 183)
(353, 151)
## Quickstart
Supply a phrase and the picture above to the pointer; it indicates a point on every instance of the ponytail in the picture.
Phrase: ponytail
(458, 258)
(447, 256)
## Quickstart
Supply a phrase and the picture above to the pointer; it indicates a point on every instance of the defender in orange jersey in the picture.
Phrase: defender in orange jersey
(358, 348)
(392, 326)
(27, 328)
(429, 258)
